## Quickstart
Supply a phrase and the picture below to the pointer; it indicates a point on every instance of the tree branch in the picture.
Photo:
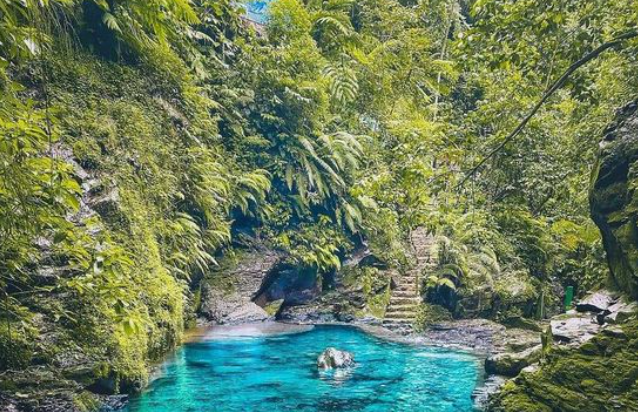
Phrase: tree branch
(555, 86)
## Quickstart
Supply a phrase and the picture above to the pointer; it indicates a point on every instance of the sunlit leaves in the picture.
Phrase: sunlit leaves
(35, 189)
(343, 83)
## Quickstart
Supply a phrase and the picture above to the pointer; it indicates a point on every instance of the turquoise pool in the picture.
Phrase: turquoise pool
(278, 373)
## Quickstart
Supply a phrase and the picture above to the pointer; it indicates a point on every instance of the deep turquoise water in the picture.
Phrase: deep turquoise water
(278, 373)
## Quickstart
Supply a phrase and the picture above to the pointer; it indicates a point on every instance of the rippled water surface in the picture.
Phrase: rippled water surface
(278, 373)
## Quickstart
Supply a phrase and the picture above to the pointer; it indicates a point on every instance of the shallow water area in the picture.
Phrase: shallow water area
(272, 368)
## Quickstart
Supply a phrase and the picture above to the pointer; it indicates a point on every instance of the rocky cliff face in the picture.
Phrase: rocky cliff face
(614, 199)
(259, 283)
(589, 367)
(228, 295)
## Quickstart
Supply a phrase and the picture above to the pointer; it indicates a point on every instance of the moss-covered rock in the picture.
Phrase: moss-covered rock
(429, 314)
(512, 363)
(366, 288)
(600, 376)
(614, 200)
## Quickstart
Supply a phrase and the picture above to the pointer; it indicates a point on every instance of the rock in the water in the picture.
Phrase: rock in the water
(596, 302)
(574, 330)
(512, 363)
(334, 358)
(490, 386)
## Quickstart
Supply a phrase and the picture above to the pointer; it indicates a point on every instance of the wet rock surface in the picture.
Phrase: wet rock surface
(476, 334)
(230, 308)
(479, 335)
(334, 358)
(490, 386)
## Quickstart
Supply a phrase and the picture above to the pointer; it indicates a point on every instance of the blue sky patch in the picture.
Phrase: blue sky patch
(257, 10)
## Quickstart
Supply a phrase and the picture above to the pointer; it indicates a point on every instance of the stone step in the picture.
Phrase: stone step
(410, 285)
(405, 294)
(400, 295)
(400, 300)
(409, 281)
(407, 288)
(404, 313)
(400, 315)
(402, 308)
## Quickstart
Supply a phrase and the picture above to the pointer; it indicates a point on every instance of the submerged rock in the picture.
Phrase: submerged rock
(335, 358)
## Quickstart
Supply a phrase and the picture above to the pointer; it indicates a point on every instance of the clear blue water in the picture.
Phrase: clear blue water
(278, 373)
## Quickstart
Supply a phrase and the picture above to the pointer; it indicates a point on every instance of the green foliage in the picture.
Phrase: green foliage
(318, 246)
(346, 123)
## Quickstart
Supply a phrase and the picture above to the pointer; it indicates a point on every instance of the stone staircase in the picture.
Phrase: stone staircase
(402, 311)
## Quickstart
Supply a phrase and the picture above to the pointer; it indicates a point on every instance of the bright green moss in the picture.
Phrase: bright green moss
(86, 402)
(598, 376)
(122, 134)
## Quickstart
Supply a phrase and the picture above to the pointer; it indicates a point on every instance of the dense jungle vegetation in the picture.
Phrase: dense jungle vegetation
(141, 140)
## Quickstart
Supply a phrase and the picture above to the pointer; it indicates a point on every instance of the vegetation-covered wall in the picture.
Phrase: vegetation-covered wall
(601, 374)
(613, 198)
(143, 141)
